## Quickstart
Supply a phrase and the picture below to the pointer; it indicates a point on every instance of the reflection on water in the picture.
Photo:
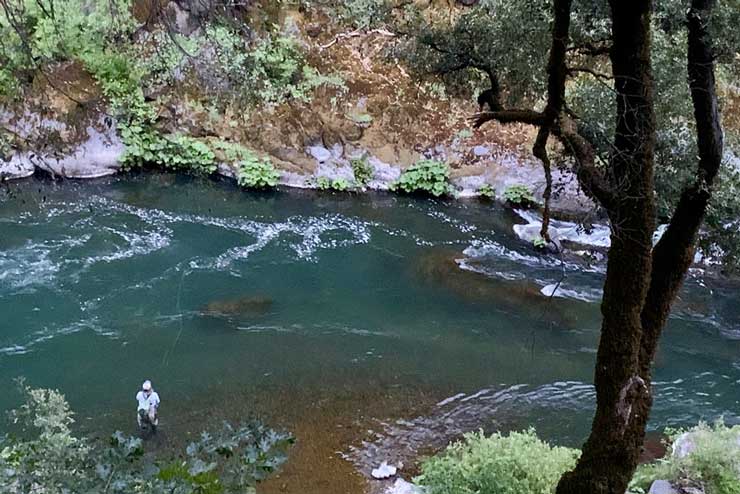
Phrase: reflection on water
(211, 291)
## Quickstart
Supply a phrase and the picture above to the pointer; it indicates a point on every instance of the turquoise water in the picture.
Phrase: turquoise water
(222, 296)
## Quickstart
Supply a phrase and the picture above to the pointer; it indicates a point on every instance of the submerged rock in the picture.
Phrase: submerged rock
(441, 267)
(249, 306)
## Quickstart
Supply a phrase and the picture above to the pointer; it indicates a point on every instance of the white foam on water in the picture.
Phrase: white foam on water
(14, 350)
(137, 244)
(488, 250)
(492, 408)
(585, 295)
(462, 226)
(47, 334)
(598, 236)
(33, 264)
(400, 442)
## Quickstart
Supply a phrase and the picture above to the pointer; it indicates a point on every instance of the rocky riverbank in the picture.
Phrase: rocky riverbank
(373, 110)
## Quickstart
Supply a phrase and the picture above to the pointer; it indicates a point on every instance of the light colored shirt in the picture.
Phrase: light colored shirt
(146, 402)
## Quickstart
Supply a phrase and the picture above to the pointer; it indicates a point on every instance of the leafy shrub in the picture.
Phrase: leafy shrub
(715, 462)
(539, 242)
(277, 70)
(159, 55)
(363, 14)
(267, 71)
(53, 460)
(519, 463)
(256, 173)
(146, 146)
(487, 192)
(426, 176)
(337, 184)
(519, 195)
(362, 170)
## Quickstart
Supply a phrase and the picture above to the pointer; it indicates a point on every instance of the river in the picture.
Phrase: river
(401, 321)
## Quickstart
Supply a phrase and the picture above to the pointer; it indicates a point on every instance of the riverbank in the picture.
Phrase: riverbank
(366, 106)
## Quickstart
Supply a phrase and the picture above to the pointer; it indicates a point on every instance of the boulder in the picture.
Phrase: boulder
(481, 151)
(320, 153)
(662, 487)
(384, 471)
(400, 486)
(95, 156)
(684, 445)
(16, 167)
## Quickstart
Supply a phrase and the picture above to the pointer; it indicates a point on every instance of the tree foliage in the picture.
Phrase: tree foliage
(503, 46)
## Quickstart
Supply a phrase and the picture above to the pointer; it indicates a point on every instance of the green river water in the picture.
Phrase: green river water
(225, 298)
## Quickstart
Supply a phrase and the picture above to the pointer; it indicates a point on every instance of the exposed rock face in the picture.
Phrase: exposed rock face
(95, 156)
(63, 129)
(16, 168)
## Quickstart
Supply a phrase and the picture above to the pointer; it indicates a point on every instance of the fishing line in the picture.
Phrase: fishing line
(165, 358)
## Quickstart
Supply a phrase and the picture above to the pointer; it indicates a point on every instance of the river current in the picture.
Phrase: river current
(224, 298)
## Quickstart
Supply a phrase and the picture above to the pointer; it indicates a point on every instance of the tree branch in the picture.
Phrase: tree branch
(588, 70)
(529, 117)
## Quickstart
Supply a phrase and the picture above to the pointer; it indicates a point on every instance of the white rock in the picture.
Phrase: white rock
(320, 153)
(684, 445)
(662, 487)
(403, 487)
(481, 151)
(98, 156)
(384, 471)
(226, 170)
(384, 174)
(19, 166)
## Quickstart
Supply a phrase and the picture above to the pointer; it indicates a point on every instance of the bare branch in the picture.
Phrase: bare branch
(529, 117)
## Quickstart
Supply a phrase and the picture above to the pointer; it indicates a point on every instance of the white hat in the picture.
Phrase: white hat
(147, 385)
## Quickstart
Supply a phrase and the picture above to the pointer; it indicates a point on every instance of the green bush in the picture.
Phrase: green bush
(146, 146)
(337, 184)
(539, 243)
(519, 463)
(487, 192)
(256, 173)
(426, 176)
(714, 463)
(519, 195)
(363, 14)
(362, 170)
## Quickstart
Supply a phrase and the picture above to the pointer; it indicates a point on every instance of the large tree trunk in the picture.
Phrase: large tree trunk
(610, 454)
(641, 282)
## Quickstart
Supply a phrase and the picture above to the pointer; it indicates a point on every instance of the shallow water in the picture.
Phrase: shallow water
(223, 296)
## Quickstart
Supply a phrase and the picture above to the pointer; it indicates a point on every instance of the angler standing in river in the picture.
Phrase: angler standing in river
(148, 400)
